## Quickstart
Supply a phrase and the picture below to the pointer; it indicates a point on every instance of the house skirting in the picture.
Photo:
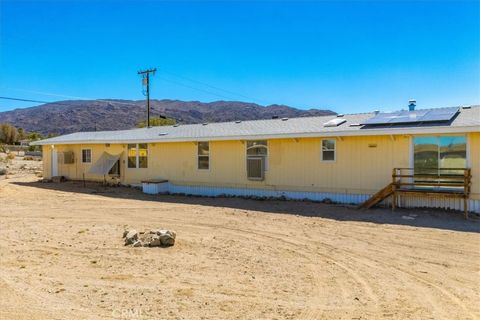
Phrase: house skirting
(346, 198)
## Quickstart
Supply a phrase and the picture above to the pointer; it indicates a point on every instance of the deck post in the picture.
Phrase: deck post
(394, 195)
(466, 191)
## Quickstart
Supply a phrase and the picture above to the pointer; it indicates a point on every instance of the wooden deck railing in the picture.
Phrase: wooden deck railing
(449, 182)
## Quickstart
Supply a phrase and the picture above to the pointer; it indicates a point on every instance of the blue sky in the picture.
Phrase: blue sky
(346, 56)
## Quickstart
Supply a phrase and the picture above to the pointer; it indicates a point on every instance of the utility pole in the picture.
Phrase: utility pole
(146, 82)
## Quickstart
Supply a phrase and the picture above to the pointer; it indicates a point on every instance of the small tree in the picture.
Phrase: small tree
(34, 136)
(8, 133)
(157, 122)
(22, 135)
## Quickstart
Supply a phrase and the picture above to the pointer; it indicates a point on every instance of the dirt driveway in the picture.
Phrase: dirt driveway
(62, 257)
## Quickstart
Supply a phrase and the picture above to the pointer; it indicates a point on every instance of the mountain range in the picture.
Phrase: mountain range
(69, 116)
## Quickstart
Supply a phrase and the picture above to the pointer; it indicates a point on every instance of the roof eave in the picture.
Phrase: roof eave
(360, 132)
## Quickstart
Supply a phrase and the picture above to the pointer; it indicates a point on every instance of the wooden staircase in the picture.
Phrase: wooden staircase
(378, 197)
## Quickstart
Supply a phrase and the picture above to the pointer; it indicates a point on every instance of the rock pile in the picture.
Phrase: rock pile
(152, 238)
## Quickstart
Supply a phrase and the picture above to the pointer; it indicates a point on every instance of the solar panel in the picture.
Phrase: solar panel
(430, 115)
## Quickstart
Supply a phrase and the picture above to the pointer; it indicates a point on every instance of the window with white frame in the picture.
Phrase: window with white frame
(86, 155)
(137, 155)
(203, 155)
(328, 150)
(257, 153)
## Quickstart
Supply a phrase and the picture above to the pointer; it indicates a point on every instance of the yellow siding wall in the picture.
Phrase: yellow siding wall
(363, 164)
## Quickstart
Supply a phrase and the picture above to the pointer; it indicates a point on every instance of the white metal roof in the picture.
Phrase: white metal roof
(468, 120)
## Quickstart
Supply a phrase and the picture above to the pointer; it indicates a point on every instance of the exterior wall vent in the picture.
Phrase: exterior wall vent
(284, 119)
(162, 134)
(334, 122)
(340, 115)
(256, 168)
(238, 121)
(204, 124)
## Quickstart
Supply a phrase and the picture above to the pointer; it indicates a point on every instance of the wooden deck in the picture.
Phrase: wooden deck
(436, 183)
(443, 182)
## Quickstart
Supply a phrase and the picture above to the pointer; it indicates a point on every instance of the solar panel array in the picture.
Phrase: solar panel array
(430, 115)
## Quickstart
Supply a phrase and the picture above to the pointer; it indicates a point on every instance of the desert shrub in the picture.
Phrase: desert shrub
(11, 156)
(3, 171)
(8, 133)
(28, 158)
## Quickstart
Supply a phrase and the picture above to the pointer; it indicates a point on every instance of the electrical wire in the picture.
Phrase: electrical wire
(230, 94)
(211, 86)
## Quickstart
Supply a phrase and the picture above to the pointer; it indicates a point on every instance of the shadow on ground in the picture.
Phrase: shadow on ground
(428, 218)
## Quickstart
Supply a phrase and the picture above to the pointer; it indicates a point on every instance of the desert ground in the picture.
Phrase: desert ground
(62, 257)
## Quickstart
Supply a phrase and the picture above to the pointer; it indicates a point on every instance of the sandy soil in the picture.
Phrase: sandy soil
(62, 257)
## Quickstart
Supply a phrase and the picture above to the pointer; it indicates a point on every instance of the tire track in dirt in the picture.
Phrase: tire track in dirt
(429, 284)
(312, 313)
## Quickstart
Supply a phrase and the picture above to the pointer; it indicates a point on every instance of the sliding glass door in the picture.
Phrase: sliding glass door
(439, 156)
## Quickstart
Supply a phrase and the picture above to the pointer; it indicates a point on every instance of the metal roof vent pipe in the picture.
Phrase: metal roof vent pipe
(412, 103)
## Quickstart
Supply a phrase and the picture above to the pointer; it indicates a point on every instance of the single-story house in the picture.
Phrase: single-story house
(346, 158)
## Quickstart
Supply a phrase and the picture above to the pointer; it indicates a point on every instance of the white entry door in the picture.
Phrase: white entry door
(54, 163)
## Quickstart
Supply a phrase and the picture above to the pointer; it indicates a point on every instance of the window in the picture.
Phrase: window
(132, 155)
(257, 148)
(257, 152)
(137, 155)
(203, 153)
(68, 157)
(328, 150)
(433, 153)
(142, 155)
(86, 156)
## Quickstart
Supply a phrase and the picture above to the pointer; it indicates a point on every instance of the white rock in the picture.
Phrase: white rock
(131, 237)
(137, 243)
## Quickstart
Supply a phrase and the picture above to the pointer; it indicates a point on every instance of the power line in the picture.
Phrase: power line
(223, 96)
(213, 87)
(26, 100)
(43, 93)
(194, 88)
(64, 104)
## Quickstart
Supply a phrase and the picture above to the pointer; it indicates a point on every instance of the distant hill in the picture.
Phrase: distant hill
(89, 115)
